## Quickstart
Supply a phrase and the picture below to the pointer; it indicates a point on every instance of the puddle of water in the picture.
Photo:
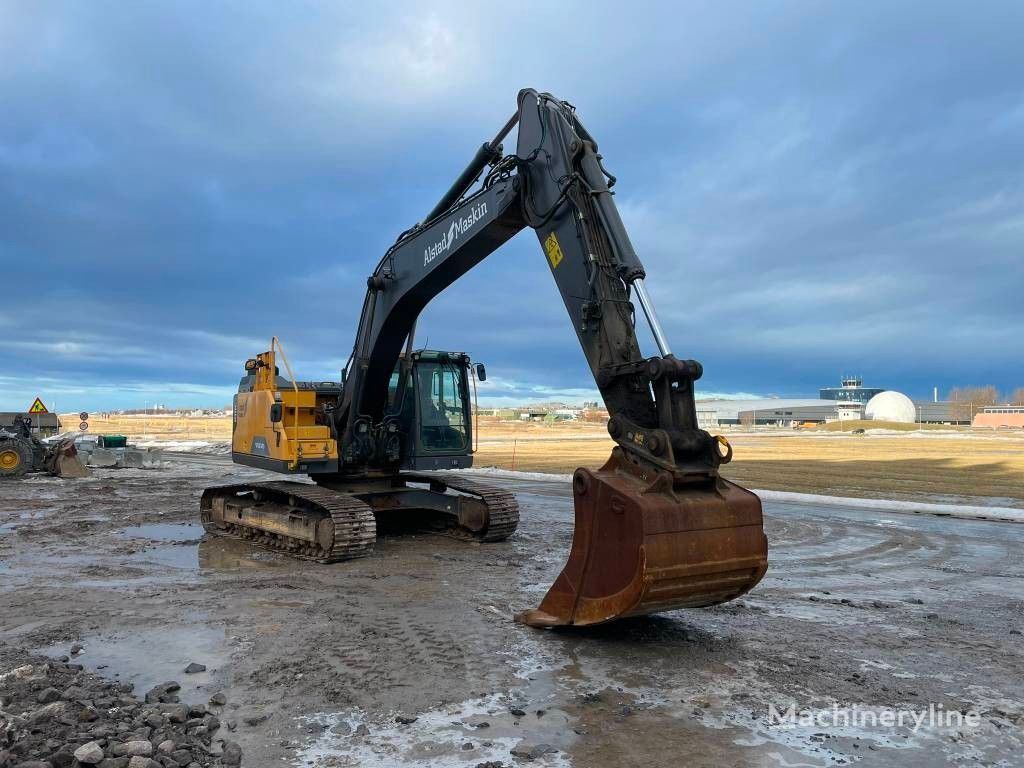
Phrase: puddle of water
(179, 550)
(148, 657)
(810, 739)
(218, 554)
(183, 547)
(173, 555)
(164, 531)
(47, 566)
(214, 554)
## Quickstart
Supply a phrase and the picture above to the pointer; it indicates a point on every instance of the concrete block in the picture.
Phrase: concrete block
(102, 457)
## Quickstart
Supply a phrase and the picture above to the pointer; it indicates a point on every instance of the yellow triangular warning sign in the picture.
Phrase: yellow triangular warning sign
(38, 407)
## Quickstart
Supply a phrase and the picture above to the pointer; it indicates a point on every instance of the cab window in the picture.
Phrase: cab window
(442, 408)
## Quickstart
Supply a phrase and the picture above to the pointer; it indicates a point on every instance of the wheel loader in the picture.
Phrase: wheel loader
(656, 528)
(22, 452)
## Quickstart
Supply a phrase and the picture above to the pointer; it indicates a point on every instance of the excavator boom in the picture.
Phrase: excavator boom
(657, 527)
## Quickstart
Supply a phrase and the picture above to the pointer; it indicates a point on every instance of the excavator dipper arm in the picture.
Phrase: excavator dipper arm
(656, 527)
(412, 273)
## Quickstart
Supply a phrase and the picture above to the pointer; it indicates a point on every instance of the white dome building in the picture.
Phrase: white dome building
(891, 406)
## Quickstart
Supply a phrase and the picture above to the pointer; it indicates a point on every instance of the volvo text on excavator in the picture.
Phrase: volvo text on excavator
(656, 528)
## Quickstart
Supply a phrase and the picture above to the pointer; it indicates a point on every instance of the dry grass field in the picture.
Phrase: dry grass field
(943, 465)
(946, 467)
(156, 427)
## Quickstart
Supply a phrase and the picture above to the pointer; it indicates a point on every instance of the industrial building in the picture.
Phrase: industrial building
(779, 412)
(43, 424)
(853, 392)
(934, 412)
(769, 412)
(1000, 417)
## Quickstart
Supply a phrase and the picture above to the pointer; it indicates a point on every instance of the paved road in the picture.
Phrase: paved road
(882, 612)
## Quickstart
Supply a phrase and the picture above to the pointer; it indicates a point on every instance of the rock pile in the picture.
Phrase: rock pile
(55, 715)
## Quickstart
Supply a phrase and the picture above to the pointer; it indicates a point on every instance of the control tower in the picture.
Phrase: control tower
(850, 390)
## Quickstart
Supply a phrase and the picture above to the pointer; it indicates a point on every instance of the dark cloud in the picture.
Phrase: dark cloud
(814, 188)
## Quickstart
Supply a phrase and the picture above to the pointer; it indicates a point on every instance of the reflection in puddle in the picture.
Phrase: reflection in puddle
(176, 556)
(154, 564)
(219, 554)
(164, 531)
(148, 657)
(182, 547)
(179, 552)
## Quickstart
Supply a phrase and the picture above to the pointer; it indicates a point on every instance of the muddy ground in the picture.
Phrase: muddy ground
(878, 612)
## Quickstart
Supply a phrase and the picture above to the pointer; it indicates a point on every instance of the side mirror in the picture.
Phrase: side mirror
(481, 372)
(276, 412)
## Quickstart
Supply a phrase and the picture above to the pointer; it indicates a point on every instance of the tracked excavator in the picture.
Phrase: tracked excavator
(656, 528)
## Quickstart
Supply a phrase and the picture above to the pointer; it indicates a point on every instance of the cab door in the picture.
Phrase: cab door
(443, 435)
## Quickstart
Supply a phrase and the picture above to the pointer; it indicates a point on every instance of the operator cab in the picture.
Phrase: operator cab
(434, 409)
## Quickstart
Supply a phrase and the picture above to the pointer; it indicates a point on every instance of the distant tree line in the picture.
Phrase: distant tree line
(967, 401)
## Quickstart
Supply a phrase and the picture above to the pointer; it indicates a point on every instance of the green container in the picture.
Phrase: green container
(113, 441)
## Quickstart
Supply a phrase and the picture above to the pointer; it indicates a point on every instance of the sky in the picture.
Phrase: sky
(815, 188)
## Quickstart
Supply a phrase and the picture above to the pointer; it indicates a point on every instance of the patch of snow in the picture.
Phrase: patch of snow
(965, 511)
(185, 446)
(510, 474)
(77, 435)
(434, 740)
(1003, 514)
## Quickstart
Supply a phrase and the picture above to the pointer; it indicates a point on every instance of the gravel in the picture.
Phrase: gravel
(54, 715)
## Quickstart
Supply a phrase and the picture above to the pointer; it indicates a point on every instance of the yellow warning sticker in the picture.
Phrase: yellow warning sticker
(553, 250)
(38, 407)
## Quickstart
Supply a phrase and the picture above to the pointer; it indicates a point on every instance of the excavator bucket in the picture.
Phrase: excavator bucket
(644, 545)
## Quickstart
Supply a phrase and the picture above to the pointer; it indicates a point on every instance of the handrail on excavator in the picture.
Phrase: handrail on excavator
(275, 343)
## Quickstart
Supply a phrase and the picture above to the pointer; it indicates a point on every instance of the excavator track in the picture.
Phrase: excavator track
(502, 507)
(345, 527)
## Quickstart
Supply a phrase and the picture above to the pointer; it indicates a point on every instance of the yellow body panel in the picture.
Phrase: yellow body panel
(295, 438)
